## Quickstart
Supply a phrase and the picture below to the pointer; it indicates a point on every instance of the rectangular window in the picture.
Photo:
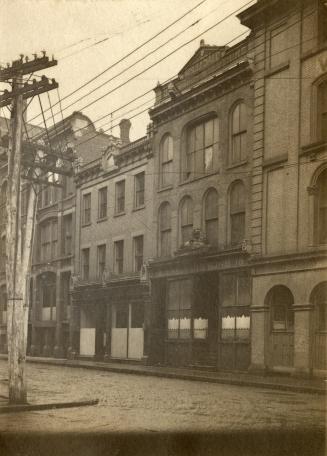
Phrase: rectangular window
(67, 234)
(119, 257)
(86, 209)
(101, 260)
(48, 240)
(138, 253)
(179, 309)
(139, 189)
(54, 239)
(120, 197)
(102, 202)
(85, 264)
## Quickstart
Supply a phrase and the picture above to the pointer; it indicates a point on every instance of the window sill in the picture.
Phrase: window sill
(163, 189)
(86, 224)
(119, 214)
(103, 219)
(275, 161)
(139, 208)
(68, 197)
(193, 179)
(236, 165)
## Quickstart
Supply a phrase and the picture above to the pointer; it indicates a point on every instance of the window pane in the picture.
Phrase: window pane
(167, 174)
(209, 133)
(237, 228)
(236, 120)
(120, 196)
(212, 231)
(139, 190)
(211, 205)
(208, 158)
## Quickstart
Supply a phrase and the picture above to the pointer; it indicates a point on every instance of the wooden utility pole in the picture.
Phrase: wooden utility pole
(19, 240)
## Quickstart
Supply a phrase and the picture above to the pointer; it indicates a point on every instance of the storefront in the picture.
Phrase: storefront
(201, 312)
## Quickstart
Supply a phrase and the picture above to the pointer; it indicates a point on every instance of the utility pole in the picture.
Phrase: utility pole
(19, 240)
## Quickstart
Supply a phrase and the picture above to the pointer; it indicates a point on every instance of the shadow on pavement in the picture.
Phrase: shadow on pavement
(271, 443)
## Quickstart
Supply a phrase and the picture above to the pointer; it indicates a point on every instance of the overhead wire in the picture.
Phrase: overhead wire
(192, 75)
(132, 51)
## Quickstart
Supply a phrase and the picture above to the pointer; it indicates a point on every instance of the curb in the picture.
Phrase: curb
(56, 405)
(181, 376)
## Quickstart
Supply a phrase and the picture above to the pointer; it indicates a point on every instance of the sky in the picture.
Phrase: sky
(88, 36)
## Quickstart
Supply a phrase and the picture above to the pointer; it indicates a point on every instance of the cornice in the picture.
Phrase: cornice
(217, 86)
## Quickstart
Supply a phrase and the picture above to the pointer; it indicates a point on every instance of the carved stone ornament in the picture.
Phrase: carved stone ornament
(197, 241)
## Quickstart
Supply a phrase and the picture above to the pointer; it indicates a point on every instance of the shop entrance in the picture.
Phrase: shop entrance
(127, 334)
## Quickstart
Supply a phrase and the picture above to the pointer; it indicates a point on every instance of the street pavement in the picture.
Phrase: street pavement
(139, 404)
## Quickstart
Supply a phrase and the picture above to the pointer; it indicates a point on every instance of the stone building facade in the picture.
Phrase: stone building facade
(201, 278)
(289, 182)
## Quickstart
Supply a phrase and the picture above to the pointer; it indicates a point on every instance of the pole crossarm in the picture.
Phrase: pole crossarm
(26, 66)
(28, 90)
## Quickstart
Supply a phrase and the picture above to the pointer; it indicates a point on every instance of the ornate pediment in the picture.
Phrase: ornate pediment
(204, 56)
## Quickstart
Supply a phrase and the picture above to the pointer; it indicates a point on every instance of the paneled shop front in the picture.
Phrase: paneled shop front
(208, 321)
(127, 334)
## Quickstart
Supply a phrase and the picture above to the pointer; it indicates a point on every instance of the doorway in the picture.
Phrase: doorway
(127, 334)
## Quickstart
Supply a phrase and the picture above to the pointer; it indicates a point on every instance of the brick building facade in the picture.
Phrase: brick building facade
(113, 242)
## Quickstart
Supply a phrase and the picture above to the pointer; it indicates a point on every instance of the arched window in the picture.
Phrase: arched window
(3, 209)
(321, 208)
(237, 213)
(322, 110)
(211, 216)
(186, 217)
(166, 161)
(238, 129)
(164, 230)
(201, 141)
(280, 300)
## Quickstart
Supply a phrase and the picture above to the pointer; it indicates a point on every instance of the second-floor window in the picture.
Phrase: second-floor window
(166, 161)
(237, 213)
(85, 264)
(86, 209)
(139, 189)
(120, 197)
(186, 214)
(48, 240)
(164, 247)
(67, 234)
(138, 253)
(322, 110)
(238, 131)
(321, 208)
(200, 144)
(119, 257)
(211, 216)
(102, 201)
(101, 260)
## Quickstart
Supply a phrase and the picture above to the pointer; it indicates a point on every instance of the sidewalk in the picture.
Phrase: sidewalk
(271, 381)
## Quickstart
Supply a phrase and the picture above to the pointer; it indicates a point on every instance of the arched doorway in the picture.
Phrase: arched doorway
(319, 300)
(281, 327)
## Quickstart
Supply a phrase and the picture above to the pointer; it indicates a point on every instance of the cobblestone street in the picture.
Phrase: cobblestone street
(130, 403)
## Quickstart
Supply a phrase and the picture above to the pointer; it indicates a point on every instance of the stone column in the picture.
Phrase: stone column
(107, 354)
(35, 349)
(302, 330)
(58, 349)
(259, 319)
(74, 324)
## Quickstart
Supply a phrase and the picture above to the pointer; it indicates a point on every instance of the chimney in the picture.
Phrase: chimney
(124, 126)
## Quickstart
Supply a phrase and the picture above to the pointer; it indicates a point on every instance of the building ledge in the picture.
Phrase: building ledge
(313, 148)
